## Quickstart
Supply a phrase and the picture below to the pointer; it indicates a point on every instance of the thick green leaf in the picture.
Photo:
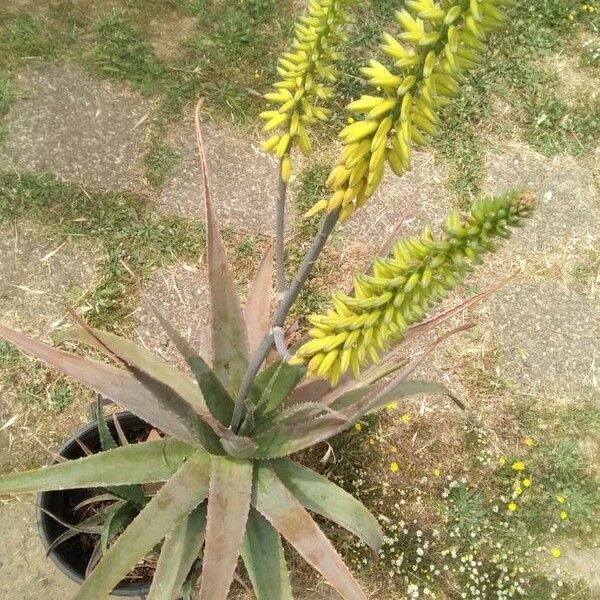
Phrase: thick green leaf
(178, 497)
(116, 522)
(116, 384)
(287, 439)
(404, 389)
(216, 397)
(312, 390)
(277, 504)
(228, 328)
(136, 356)
(352, 397)
(179, 551)
(131, 493)
(146, 462)
(325, 498)
(262, 552)
(257, 311)
(173, 389)
(274, 385)
(228, 506)
(106, 439)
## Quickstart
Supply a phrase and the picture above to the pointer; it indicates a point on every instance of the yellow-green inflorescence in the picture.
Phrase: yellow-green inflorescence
(307, 73)
(419, 272)
(439, 42)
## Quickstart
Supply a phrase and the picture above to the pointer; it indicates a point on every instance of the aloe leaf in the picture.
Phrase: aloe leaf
(228, 506)
(278, 505)
(107, 442)
(110, 382)
(414, 364)
(216, 397)
(352, 397)
(262, 552)
(179, 551)
(286, 439)
(228, 329)
(404, 389)
(131, 493)
(290, 415)
(309, 391)
(257, 310)
(146, 462)
(117, 521)
(178, 497)
(173, 390)
(134, 355)
(279, 379)
(320, 495)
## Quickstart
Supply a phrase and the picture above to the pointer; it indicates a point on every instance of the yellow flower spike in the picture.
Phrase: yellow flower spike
(394, 467)
(405, 285)
(437, 44)
(304, 70)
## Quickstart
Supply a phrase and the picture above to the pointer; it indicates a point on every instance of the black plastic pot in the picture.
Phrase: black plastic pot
(71, 557)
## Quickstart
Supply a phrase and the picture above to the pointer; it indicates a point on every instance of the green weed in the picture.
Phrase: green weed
(120, 52)
(130, 232)
(160, 162)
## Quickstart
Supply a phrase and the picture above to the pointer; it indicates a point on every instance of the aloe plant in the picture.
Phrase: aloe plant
(230, 484)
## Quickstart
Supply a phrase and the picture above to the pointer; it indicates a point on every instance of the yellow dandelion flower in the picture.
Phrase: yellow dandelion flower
(394, 467)
(436, 472)
(502, 460)
(555, 552)
(526, 482)
(560, 499)
(406, 419)
(371, 441)
(518, 465)
(392, 405)
(358, 426)
(529, 441)
(518, 490)
(564, 515)
(512, 507)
